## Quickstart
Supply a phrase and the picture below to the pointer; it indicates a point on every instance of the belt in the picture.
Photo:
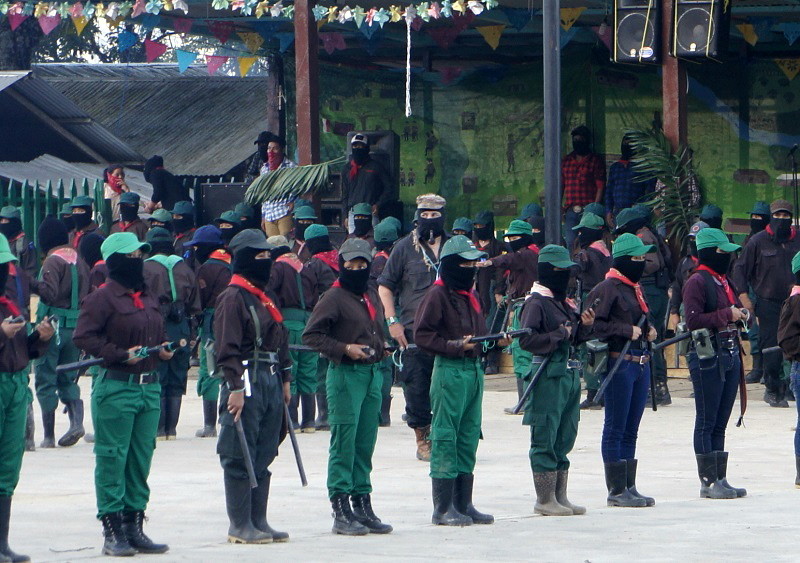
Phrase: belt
(138, 378)
(643, 359)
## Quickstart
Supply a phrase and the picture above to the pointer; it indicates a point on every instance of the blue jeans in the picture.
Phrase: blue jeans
(571, 219)
(795, 383)
(714, 395)
(625, 396)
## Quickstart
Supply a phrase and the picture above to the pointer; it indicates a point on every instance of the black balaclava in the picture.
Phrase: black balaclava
(89, 249)
(150, 165)
(126, 271)
(68, 222)
(632, 226)
(782, 228)
(626, 150)
(183, 224)
(300, 226)
(454, 275)
(12, 228)
(52, 233)
(203, 250)
(713, 222)
(485, 232)
(554, 280)
(319, 244)
(128, 213)
(360, 155)
(537, 223)
(523, 241)
(717, 261)
(354, 281)
(429, 229)
(384, 246)
(4, 271)
(276, 253)
(161, 247)
(82, 219)
(587, 236)
(229, 233)
(758, 225)
(255, 270)
(631, 269)
(361, 226)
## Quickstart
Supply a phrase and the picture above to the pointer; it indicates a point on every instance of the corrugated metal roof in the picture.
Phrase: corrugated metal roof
(200, 124)
(9, 77)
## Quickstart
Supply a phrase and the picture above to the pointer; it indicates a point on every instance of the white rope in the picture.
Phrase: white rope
(408, 67)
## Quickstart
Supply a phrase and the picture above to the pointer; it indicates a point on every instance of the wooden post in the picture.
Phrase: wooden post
(673, 84)
(276, 102)
(306, 45)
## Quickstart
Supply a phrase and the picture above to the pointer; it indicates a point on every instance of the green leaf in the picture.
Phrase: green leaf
(286, 183)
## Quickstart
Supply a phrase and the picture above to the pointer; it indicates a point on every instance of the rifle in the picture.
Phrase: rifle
(141, 353)
(248, 460)
(618, 363)
(671, 341)
(529, 389)
(295, 446)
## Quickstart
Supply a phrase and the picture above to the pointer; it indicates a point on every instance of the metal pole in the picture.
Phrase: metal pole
(552, 120)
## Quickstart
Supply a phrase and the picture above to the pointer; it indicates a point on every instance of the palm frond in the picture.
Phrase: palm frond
(286, 183)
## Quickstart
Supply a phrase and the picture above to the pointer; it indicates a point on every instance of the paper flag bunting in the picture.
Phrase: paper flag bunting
(444, 36)
(459, 6)
(319, 12)
(566, 36)
(381, 17)
(49, 23)
(276, 10)
(569, 16)
(518, 18)
(422, 11)
(762, 26)
(153, 50)
(491, 33)
(251, 40)
(475, 7)
(396, 16)
(40, 10)
(333, 13)
(15, 20)
(245, 64)
(285, 41)
(266, 29)
(604, 34)
(416, 24)
(181, 5)
(185, 59)
(435, 10)
(150, 21)
(126, 40)
(220, 29)
(182, 25)
(368, 30)
(76, 10)
(790, 67)
(332, 41)
(80, 23)
(138, 8)
(359, 15)
(791, 31)
(748, 32)
(214, 62)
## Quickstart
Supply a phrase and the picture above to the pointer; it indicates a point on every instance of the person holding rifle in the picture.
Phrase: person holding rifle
(116, 321)
(553, 409)
(789, 341)
(621, 317)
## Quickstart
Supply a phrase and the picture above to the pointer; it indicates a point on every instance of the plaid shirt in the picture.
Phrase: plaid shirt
(579, 178)
(622, 189)
(275, 209)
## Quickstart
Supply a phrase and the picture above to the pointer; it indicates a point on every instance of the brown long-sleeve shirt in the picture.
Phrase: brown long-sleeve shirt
(55, 279)
(25, 251)
(789, 328)
(98, 275)
(766, 265)
(443, 319)
(594, 266)
(616, 313)
(694, 304)
(488, 279)
(137, 227)
(522, 267)
(283, 283)
(322, 273)
(546, 318)
(185, 286)
(212, 278)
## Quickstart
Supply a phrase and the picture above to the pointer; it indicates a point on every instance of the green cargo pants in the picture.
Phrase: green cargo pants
(522, 358)
(50, 387)
(354, 404)
(304, 364)
(207, 386)
(456, 403)
(14, 398)
(125, 417)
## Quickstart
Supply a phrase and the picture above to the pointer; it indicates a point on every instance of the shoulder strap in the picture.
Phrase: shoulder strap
(169, 263)
(73, 298)
(711, 292)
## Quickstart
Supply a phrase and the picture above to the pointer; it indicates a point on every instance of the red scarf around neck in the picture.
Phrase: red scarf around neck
(600, 247)
(221, 255)
(330, 257)
(10, 305)
(772, 233)
(722, 280)
(470, 295)
(353, 170)
(535, 248)
(135, 295)
(240, 281)
(615, 274)
(365, 297)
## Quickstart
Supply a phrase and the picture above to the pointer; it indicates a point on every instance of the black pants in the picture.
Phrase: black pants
(714, 394)
(768, 313)
(416, 378)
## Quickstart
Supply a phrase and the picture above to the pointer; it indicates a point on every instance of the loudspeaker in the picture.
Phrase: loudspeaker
(700, 29)
(215, 199)
(637, 31)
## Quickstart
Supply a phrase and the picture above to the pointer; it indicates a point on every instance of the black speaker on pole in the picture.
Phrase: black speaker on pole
(700, 29)
(637, 31)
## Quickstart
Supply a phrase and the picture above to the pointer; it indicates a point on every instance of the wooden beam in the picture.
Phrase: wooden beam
(276, 101)
(673, 84)
(306, 47)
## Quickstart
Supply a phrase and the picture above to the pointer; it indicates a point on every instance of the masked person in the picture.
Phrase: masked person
(686, 267)
(178, 299)
(765, 266)
(362, 223)
(82, 210)
(346, 327)
(161, 218)
(711, 215)
(21, 247)
(65, 216)
(583, 175)
(531, 210)
(789, 341)
(621, 315)
(411, 269)
(17, 349)
(553, 409)
(276, 215)
(295, 287)
(91, 254)
(486, 281)
(448, 316)
(63, 283)
(183, 228)
(304, 217)
(229, 226)
(364, 179)
(261, 363)
(129, 221)
(463, 226)
(114, 187)
(247, 216)
(167, 189)
(213, 276)
(625, 187)
(759, 219)
(710, 303)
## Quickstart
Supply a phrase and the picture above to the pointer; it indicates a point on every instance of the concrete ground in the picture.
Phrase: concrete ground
(54, 508)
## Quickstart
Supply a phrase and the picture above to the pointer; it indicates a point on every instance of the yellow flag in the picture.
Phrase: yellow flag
(252, 41)
(80, 23)
(790, 67)
(569, 16)
(748, 32)
(491, 33)
(459, 6)
(333, 13)
(245, 64)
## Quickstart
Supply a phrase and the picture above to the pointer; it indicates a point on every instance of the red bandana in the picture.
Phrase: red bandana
(382, 253)
(615, 274)
(10, 305)
(240, 281)
(722, 280)
(534, 247)
(600, 247)
(76, 241)
(291, 260)
(331, 258)
(353, 170)
(772, 233)
(365, 297)
(220, 255)
(470, 295)
(114, 182)
(137, 299)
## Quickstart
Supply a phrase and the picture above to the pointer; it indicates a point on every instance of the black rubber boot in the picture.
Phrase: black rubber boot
(238, 501)
(132, 523)
(5, 519)
(308, 409)
(780, 395)
(444, 512)
(386, 409)
(344, 521)
(115, 544)
(617, 485)
(76, 430)
(520, 390)
(362, 511)
(258, 510)
(161, 433)
(757, 373)
(546, 504)
(789, 393)
(30, 430)
(663, 398)
(49, 429)
(589, 403)
(722, 474)
(294, 402)
(462, 499)
(562, 478)
(322, 412)
(173, 415)
(633, 464)
(209, 429)
(710, 487)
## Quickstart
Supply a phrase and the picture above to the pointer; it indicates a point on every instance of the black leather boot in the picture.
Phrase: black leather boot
(115, 544)
(344, 521)
(444, 512)
(362, 511)
(258, 510)
(617, 485)
(5, 518)
(462, 499)
(30, 430)
(49, 429)
(76, 430)
(710, 487)
(722, 474)
(562, 477)
(238, 501)
(294, 402)
(386, 409)
(322, 412)
(633, 464)
(663, 398)
(308, 410)
(209, 429)
(589, 403)
(161, 433)
(132, 523)
(757, 373)
(173, 415)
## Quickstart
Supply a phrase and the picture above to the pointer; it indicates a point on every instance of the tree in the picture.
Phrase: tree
(17, 47)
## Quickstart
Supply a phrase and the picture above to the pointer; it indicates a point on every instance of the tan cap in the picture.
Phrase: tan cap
(430, 201)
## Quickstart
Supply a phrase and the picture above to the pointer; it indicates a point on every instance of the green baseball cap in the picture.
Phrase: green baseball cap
(385, 232)
(395, 222)
(484, 217)
(462, 246)
(589, 221)
(158, 234)
(66, 209)
(183, 208)
(10, 212)
(518, 227)
(355, 248)
(556, 255)
(630, 245)
(5, 251)
(122, 243)
(129, 198)
(644, 211)
(250, 238)
(760, 208)
(711, 211)
(229, 217)
(313, 231)
(161, 215)
(626, 216)
(242, 209)
(714, 238)
(796, 263)
(362, 209)
(597, 208)
(531, 210)
(305, 212)
(82, 201)
(463, 224)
